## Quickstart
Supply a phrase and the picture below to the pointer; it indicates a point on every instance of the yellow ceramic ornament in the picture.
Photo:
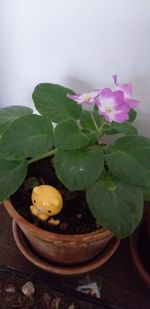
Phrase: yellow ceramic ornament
(47, 202)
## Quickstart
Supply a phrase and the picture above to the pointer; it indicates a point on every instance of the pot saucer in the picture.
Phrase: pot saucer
(133, 243)
(60, 269)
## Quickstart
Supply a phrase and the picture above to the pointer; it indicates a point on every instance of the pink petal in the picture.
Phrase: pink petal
(106, 93)
(72, 96)
(106, 116)
(119, 97)
(85, 97)
(123, 107)
(121, 117)
(132, 103)
(127, 89)
(112, 105)
(117, 116)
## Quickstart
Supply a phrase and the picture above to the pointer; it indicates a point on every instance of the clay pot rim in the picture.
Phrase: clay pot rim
(51, 235)
(135, 255)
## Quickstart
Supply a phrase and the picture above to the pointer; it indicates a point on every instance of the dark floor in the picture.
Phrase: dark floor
(120, 282)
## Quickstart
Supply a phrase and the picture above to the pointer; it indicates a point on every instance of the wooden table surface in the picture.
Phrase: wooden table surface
(120, 281)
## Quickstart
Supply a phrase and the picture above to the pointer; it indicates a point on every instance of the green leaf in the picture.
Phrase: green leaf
(116, 206)
(12, 175)
(130, 160)
(146, 193)
(51, 100)
(11, 113)
(92, 135)
(77, 169)
(86, 119)
(137, 146)
(27, 137)
(132, 115)
(125, 128)
(67, 136)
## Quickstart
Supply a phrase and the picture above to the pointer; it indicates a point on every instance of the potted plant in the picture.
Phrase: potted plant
(112, 177)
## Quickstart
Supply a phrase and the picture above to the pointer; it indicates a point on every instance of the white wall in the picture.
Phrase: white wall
(77, 43)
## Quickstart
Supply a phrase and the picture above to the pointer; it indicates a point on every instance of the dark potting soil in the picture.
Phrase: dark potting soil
(75, 217)
(144, 247)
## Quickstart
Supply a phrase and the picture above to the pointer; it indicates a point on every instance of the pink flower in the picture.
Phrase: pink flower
(112, 106)
(84, 97)
(127, 90)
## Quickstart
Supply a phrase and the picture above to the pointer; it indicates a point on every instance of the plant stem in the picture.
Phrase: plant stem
(45, 155)
(101, 127)
(94, 122)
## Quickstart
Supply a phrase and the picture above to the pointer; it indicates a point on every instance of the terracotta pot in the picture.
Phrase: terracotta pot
(59, 248)
(134, 247)
(62, 269)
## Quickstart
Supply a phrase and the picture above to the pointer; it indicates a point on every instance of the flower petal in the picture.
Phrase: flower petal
(127, 90)
(112, 106)
(106, 92)
(85, 97)
(117, 116)
(119, 96)
(121, 117)
(132, 103)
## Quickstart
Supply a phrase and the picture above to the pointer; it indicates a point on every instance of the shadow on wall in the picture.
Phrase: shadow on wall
(79, 85)
(142, 91)
(142, 123)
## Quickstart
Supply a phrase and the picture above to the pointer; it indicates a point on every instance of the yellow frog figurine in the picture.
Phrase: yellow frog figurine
(47, 202)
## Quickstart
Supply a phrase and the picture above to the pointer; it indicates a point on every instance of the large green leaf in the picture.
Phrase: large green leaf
(129, 160)
(28, 136)
(52, 100)
(87, 121)
(12, 175)
(11, 113)
(116, 206)
(125, 128)
(78, 169)
(67, 136)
